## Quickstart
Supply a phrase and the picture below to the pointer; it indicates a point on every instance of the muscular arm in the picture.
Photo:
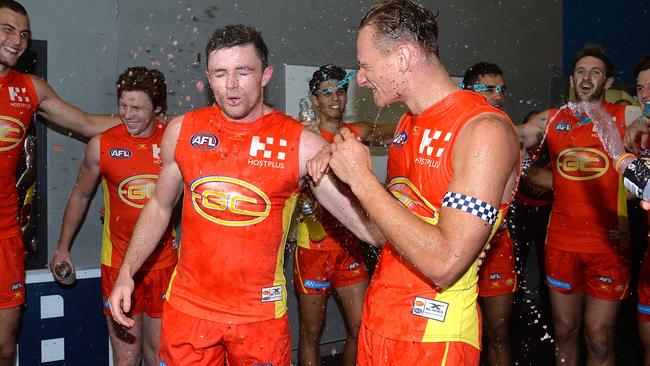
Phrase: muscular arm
(335, 197)
(532, 132)
(54, 109)
(150, 226)
(482, 169)
(78, 202)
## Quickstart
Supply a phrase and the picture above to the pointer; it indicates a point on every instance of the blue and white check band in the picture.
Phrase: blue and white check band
(472, 205)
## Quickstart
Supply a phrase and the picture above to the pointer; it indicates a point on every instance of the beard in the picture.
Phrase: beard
(596, 93)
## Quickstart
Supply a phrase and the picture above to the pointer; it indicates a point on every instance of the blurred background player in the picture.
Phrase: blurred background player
(127, 158)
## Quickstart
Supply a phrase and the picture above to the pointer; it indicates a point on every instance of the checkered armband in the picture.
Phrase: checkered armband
(472, 205)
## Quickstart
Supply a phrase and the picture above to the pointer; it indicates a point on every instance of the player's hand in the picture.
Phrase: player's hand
(120, 299)
(645, 205)
(58, 257)
(636, 136)
(482, 255)
(350, 158)
(317, 166)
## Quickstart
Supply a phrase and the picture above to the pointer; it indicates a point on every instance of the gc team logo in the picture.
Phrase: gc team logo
(409, 195)
(12, 132)
(204, 141)
(582, 163)
(135, 191)
(229, 201)
(120, 153)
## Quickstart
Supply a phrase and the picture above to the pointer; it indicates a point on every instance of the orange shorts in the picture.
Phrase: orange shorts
(316, 271)
(604, 276)
(375, 350)
(497, 275)
(149, 292)
(643, 288)
(186, 340)
(12, 275)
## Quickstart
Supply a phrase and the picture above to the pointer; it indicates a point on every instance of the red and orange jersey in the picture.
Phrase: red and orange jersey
(419, 172)
(19, 102)
(129, 168)
(589, 212)
(240, 186)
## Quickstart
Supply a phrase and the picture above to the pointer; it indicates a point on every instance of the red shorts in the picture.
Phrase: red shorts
(497, 275)
(376, 350)
(316, 271)
(605, 276)
(186, 340)
(643, 307)
(12, 275)
(148, 294)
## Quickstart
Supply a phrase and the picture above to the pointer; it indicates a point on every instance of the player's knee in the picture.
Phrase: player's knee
(599, 341)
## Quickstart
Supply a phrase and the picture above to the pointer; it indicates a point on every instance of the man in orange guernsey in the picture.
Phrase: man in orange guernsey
(452, 169)
(239, 165)
(337, 259)
(127, 158)
(587, 244)
(21, 96)
(497, 275)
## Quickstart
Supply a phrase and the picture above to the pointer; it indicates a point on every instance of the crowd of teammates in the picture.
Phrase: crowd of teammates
(453, 167)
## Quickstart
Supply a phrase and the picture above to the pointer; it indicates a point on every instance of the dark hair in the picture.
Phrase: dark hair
(403, 20)
(643, 65)
(14, 6)
(238, 35)
(151, 82)
(595, 51)
(473, 74)
(324, 73)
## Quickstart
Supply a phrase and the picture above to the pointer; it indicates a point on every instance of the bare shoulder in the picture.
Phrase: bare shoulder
(489, 128)
(92, 149)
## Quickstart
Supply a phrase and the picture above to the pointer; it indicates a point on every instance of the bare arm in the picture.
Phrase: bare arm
(532, 132)
(335, 197)
(442, 252)
(151, 225)
(78, 202)
(56, 110)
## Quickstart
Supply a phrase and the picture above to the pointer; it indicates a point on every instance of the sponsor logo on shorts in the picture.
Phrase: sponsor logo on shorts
(619, 288)
(431, 309)
(557, 283)
(273, 293)
(400, 139)
(229, 201)
(263, 364)
(16, 286)
(12, 132)
(510, 281)
(582, 163)
(120, 153)
(495, 276)
(354, 265)
(136, 191)
(606, 279)
(317, 285)
(563, 126)
(204, 141)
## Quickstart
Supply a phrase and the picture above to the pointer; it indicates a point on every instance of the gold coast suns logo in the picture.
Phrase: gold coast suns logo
(12, 132)
(582, 163)
(229, 201)
(135, 191)
(409, 195)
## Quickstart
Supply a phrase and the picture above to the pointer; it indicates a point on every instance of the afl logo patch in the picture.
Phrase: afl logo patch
(204, 141)
(400, 138)
(120, 153)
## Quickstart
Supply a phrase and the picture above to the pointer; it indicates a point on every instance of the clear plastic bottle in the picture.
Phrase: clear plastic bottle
(307, 115)
(64, 271)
